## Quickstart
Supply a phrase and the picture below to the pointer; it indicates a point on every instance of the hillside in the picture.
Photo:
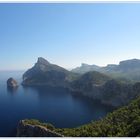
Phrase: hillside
(89, 84)
(124, 122)
(45, 73)
(86, 68)
(128, 70)
(105, 89)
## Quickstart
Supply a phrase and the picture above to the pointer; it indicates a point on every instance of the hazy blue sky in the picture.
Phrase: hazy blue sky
(68, 34)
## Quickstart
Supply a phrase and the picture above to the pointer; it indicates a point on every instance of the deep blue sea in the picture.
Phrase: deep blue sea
(53, 105)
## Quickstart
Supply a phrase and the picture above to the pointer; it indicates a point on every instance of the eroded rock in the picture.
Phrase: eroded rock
(12, 83)
(29, 130)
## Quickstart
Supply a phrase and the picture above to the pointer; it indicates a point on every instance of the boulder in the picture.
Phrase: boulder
(12, 83)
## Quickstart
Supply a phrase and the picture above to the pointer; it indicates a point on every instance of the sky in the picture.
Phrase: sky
(68, 34)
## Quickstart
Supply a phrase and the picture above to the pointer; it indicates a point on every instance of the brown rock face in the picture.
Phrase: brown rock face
(12, 83)
(28, 130)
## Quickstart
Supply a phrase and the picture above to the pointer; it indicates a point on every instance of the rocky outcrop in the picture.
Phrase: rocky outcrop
(28, 130)
(45, 73)
(12, 83)
(42, 61)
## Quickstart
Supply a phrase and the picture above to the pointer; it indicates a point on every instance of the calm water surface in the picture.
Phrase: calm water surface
(54, 105)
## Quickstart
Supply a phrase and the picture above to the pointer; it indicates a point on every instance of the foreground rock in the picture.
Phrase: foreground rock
(29, 130)
(12, 83)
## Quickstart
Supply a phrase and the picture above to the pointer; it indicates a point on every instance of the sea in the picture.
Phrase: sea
(57, 106)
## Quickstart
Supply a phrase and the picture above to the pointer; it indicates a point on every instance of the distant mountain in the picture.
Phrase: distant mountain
(45, 73)
(86, 68)
(128, 69)
(129, 65)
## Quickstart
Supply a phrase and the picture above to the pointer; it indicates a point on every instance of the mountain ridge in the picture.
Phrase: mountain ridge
(94, 84)
(126, 69)
(45, 73)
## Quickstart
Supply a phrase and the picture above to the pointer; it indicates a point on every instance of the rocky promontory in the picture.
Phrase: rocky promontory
(46, 73)
(25, 129)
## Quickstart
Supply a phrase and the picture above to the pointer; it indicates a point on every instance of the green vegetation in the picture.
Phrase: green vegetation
(87, 81)
(124, 122)
(94, 77)
(126, 71)
(105, 89)
(37, 122)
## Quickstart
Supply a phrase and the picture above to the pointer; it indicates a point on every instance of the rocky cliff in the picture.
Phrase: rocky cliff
(108, 91)
(45, 73)
(28, 130)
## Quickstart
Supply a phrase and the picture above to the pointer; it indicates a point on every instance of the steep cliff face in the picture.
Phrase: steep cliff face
(108, 91)
(45, 73)
(89, 84)
(29, 130)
